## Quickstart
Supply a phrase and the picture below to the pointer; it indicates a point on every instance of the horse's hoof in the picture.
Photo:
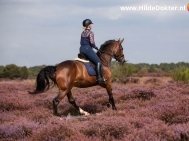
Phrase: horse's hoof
(82, 112)
(87, 114)
(108, 105)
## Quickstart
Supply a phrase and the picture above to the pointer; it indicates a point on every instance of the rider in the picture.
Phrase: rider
(87, 43)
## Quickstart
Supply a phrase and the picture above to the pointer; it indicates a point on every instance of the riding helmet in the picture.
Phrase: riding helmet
(87, 22)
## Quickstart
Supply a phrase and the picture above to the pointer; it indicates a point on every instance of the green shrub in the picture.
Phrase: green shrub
(33, 71)
(24, 73)
(1, 71)
(181, 74)
(121, 71)
(11, 71)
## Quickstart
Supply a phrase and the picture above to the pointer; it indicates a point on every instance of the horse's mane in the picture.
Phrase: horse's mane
(106, 43)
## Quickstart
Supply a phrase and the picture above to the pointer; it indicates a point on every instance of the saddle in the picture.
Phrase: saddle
(83, 57)
(90, 66)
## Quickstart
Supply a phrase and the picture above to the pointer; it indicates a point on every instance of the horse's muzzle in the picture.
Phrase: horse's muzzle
(122, 62)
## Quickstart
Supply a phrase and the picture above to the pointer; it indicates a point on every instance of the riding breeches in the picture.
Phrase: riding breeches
(90, 54)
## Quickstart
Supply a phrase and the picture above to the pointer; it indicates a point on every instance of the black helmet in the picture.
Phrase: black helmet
(87, 22)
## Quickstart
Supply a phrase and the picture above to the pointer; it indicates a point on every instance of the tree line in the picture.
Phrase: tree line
(178, 71)
(13, 71)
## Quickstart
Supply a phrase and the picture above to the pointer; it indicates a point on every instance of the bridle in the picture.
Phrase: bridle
(118, 58)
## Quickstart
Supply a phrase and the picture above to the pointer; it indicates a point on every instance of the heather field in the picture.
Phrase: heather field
(149, 109)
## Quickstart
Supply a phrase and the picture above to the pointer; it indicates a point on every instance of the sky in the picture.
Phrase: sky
(37, 32)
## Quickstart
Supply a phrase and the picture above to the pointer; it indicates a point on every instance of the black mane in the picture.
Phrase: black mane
(106, 43)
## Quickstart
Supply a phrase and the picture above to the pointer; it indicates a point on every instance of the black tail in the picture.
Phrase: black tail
(42, 81)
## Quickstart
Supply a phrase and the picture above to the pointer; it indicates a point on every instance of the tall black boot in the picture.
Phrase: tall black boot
(100, 79)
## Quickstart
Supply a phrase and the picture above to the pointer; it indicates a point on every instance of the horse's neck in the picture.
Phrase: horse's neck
(105, 58)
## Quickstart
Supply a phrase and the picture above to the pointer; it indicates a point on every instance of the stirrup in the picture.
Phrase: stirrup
(101, 80)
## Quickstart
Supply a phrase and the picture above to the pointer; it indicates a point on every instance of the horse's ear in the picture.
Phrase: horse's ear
(122, 41)
(118, 40)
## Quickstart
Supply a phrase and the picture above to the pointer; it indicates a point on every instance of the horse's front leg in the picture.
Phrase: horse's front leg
(111, 98)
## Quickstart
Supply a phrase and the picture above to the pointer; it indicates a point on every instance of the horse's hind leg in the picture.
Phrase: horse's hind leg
(56, 100)
(72, 101)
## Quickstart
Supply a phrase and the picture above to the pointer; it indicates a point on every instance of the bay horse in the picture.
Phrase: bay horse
(73, 73)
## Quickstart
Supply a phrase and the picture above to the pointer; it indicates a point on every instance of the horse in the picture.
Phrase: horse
(73, 73)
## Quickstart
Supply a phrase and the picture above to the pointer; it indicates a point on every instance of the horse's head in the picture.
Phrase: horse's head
(118, 52)
(113, 49)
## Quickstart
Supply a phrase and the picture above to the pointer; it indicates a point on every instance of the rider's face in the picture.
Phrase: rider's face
(90, 26)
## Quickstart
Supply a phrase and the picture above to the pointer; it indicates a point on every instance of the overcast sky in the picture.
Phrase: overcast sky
(37, 32)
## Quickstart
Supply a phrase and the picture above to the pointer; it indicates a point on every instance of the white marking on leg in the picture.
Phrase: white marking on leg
(83, 112)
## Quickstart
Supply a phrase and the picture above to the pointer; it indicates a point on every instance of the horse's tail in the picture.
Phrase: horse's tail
(42, 81)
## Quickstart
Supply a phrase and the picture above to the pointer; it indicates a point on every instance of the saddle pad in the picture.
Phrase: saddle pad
(81, 60)
(90, 69)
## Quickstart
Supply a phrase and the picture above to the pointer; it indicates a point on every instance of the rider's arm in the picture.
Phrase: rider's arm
(92, 42)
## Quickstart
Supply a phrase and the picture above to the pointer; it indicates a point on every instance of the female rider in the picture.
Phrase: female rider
(87, 43)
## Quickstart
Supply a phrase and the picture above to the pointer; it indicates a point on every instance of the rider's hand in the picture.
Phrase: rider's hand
(95, 47)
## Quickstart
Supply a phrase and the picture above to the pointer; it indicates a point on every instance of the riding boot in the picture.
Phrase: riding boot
(100, 79)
